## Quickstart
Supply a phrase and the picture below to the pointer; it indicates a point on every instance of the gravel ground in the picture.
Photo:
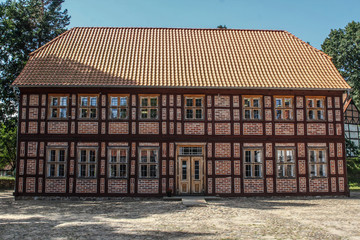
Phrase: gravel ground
(235, 218)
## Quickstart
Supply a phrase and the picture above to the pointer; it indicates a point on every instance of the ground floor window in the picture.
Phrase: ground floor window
(285, 163)
(317, 162)
(87, 162)
(148, 162)
(118, 162)
(56, 162)
(253, 161)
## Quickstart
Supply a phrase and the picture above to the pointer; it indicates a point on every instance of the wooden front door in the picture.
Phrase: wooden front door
(190, 175)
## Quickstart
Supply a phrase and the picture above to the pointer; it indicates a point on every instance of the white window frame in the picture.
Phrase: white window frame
(87, 163)
(253, 163)
(57, 161)
(118, 163)
(282, 151)
(317, 164)
(148, 163)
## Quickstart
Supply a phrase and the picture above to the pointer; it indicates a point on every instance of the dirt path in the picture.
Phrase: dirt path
(240, 218)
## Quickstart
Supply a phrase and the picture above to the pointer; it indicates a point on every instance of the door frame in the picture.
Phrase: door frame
(178, 166)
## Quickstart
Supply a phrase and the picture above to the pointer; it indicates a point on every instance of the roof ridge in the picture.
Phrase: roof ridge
(50, 42)
(183, 28)
(307, 44)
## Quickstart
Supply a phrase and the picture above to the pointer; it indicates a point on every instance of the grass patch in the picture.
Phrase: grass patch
(353, 170)
(7, 178)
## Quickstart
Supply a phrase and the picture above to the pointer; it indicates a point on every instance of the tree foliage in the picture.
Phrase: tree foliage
(343, 45)
(222, 27)
(25, 25)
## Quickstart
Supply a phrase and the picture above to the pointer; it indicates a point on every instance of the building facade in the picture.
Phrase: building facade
(351, 123)
(86, 129)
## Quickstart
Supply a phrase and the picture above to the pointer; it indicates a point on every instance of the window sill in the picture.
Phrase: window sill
(48, 177)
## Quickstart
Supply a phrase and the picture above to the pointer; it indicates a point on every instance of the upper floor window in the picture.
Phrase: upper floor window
(148, 162)
(315, 108)
(194, 107)
(317, 162)
(252, 107)
(87, 161)
(149, 107)
(58, 106)
(88, 106)
(118, 106)
(284, 108)
(253, 162)
(285, 163)
(118, 162)
(56, 162)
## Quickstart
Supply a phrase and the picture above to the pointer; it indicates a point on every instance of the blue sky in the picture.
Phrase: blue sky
(309, 20)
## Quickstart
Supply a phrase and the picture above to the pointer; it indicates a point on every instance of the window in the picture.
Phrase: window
(284, 108)
(315, 108)
(58, 106)
(252, 108)
(56, 162)
(194, 107)
(87, 161)
(88, 106)
(191, 151)
(118, 106)
(253, 163)
(118, 162)
(285, 163)
(317, 162)
(148, 163)
(149, 107)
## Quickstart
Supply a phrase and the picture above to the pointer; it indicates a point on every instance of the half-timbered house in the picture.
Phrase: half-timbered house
(140, 111)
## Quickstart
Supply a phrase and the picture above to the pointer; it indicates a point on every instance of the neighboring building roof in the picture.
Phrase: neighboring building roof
(175, 57)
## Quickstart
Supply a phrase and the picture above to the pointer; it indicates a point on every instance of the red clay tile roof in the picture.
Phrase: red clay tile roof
(171, 57)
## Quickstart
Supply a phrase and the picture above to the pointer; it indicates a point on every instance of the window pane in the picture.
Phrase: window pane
(54, 113)
(113, 170)
(55, 102)
(256, 114)
(290, 171)
(289, 156)
(257, 155)
(197, 170)
(82, 170)
(114, 101)
(287, 114)
(83, 156)
(246, 102)
(278, 114)
(123, 114)
(198, 113)
(92, 113)
(312, 156)
(143, 170)
(320, 115)
(63, 112)
(52, 170)
(278, 102)
(247, 156)
(153, 102)
(310, 103)
(189, 113)
(63, 101)
(321, 156)
(123, 155)
(247, 114)
(152, 170)
(257, 171)
(114, 113)
(61, 155)
(311, 114)
(319, 103)
(143, 156)
(153, 113)
(92, 156)
(287, 102)
(281, 170)
(256, 102)
(84, 101)
(281, 155)
(248, 170)
(153, 154)
(84, 113)
(92, 170)
(322, 172)
(52, 155)
(61, 170)
(144, 102)
(123, 170)
(93, 101)
(144, 113)
(113, 155)
(198, 102)
(184, 170)
(189, 102)
(123, 101)
(312, 170)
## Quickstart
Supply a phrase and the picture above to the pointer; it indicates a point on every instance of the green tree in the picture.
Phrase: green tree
(343, 45)
(25, 25)
(7, 146)
(222, 27)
